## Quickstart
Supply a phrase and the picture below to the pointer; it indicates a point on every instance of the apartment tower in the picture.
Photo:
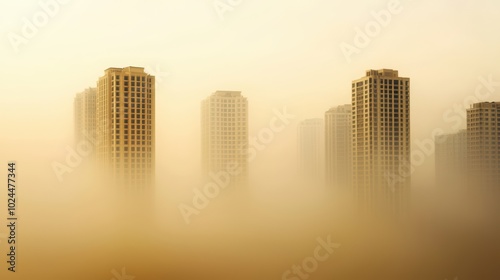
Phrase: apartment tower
(381, 141)
(224, 132)
(311, 139)
(483, 150)
(451, 160)
(84, 108)
(338, 158)
(126, 127)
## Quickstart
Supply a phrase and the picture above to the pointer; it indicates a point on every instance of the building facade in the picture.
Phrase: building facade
(483, 149)
(224, 133)
(381, 141)
(126, 127)
(311, 139)
(338, 149)
(84, 108)
(451, 160)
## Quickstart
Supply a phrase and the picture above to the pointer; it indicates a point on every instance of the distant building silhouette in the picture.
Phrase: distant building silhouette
(84, 108)
(381, 141)
(311, 141)
(224, 136)
(451, 160)
(338, 149)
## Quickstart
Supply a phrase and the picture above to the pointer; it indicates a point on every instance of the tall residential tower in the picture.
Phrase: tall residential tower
(85, 115)
(311, 139)
(483, 146)
(381, 141)
(126, 127)
(451, 160)
(338, 150)
(224, 132)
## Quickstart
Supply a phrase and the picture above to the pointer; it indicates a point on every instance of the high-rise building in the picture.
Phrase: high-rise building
(451, 160)
(224, 136)
(85, 115)
(338, 146)
(311, 139)
(381, 141)
(126, 126)
(483, 149)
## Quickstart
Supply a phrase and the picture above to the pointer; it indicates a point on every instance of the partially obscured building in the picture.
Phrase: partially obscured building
(451, 160)
(224, 136)
(381, 141)
(483, 149)
(84, 108)
(338, 149)
(311, 141)
(126, 127)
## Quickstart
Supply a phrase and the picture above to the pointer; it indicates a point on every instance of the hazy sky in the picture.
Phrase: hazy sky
(278, 53)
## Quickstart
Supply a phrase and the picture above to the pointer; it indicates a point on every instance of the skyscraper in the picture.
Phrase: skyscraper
(483, 150)
(338, 150)
(381, 141)
(126, 126)
(85, 115)
(224, 133)
(451, 160)
(311, 139)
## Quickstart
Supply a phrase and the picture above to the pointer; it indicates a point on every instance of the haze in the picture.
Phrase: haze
(282, 56)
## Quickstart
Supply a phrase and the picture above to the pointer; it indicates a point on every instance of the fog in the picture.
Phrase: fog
(286, 58)
(81, 230)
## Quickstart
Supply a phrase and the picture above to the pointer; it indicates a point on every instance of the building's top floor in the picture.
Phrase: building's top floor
(227, 93)
(383, 72)
(311, 122)
(224, 96)
(90, 90)
(129, 69)
(387, 75)
(461, 134)
(128, 73)
(87, 91)
(340, 109)
(485, 105)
